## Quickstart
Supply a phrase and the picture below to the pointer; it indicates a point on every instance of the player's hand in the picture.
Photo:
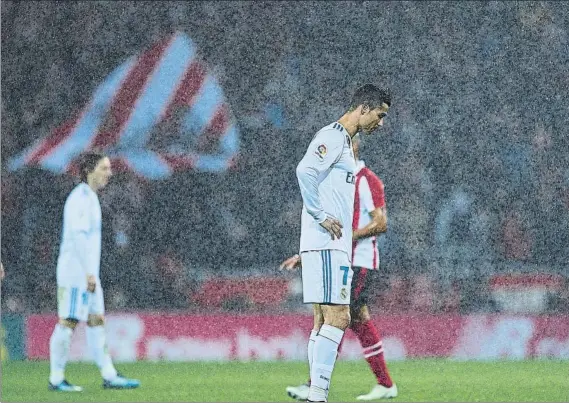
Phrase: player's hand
(291, 263)
(333, 226)
(91, 283)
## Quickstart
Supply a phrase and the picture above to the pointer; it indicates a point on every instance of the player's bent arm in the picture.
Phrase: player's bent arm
(77, 214)
(83, 251)
(322, 152)
(308, 182)
(377, 225)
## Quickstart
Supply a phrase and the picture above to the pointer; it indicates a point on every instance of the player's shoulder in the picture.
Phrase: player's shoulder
(79, 193)
(333, 132)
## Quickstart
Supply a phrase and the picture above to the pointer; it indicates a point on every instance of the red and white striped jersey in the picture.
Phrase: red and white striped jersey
(369, 196)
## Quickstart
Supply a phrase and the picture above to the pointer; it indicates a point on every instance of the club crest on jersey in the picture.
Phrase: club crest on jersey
(321, 151)
(344, 293)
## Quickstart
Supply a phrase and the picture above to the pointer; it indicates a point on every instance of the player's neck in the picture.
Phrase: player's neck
(92, 185)
(350, 123)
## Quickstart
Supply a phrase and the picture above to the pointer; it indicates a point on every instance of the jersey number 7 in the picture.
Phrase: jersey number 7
(345, 269)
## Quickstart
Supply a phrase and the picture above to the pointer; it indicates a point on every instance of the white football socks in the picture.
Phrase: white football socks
(311, 341)
(323, 360)
(59, 345)
(98, 346)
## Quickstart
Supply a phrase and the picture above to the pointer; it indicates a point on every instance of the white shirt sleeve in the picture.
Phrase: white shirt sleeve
(78, 216)
(366, 199)
(322, 153)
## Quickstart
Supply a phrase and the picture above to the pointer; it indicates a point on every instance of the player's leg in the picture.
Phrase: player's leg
(71, 308)
(300, 392)
(369, 336)
(336, 283)
(97, 343)
(370, 340)
(336, 320)
(318, 322)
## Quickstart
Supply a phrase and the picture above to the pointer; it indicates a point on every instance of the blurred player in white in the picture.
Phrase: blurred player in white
(370, 220)
(79, 292)
(326, 176)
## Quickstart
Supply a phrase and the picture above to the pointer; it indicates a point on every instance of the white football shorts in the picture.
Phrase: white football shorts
(326, 277)
(77, 303)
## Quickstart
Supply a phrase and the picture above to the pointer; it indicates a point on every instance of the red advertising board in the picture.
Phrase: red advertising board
(179, 337)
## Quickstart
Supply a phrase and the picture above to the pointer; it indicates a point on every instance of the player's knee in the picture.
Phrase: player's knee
(338, 316)
(318, 317)
(354, 317)
(364, 314)
(359, 315)
(318, 322)
(69, 322)
(95, 320)
(343, 320)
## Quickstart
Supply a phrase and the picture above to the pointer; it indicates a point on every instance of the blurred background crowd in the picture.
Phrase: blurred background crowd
(474, 153)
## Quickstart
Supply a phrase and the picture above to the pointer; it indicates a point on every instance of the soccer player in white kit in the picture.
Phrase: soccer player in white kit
(370, 220)
(79, 292)
(326, 176)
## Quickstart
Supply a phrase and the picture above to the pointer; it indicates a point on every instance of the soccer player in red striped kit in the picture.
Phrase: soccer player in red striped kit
(370, 220)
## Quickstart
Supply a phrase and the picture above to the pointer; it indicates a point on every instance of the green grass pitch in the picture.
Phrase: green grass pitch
(427, 380)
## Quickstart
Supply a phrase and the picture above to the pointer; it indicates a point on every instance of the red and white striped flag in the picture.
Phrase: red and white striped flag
(156, 113)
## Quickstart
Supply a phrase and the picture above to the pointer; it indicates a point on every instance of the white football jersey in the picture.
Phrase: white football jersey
(326, 179)
(80, 249)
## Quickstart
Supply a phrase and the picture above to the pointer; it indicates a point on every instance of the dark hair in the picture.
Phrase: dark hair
(88, 162)
(370, 95)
